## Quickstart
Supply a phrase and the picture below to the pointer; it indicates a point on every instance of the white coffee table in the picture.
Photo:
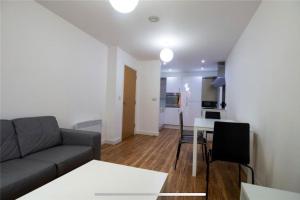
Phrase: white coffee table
(110, 180)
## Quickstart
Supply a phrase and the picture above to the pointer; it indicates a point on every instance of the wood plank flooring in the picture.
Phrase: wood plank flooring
(158, 153)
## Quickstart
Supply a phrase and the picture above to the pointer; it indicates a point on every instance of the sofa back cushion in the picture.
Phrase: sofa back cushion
(37, 133)
(9, 148)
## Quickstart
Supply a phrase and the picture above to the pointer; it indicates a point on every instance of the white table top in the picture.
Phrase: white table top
(207, 123)
(255, 192)
(102, 177)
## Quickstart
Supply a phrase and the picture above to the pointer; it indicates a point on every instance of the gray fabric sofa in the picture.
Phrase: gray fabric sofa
(35, 151)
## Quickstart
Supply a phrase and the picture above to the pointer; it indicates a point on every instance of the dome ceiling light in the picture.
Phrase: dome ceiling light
(166, 55)
(124, 6)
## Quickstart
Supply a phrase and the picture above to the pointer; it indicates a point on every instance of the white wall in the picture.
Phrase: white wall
(147, 87)
(149, 97)
(262, 75)
(109, 127)
(123, 58)
(49, 67)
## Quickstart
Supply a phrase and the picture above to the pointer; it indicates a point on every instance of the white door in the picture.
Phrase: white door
(191, 99)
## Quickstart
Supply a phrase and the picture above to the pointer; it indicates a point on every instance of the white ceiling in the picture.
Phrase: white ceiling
(195, 30)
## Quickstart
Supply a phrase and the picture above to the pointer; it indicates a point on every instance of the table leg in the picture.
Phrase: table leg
(194, 171)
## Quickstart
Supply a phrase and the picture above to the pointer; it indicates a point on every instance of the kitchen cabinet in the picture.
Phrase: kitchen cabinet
(171, 116)
(163, 87)
(161, 117)
(173, 84)
(191, 89)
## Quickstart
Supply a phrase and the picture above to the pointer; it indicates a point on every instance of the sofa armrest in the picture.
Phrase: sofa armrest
(87, 138)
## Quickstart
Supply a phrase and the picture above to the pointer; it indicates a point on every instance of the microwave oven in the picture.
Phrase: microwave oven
(172, 100)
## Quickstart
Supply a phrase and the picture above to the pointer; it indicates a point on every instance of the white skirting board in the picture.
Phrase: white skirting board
(112, 141)
(147, 133)
(118, 140)
(170, 126)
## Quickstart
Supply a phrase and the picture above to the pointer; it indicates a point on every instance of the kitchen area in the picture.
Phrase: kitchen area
(193, 93)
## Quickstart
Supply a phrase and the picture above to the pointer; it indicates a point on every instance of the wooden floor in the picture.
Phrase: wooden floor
(158, 153)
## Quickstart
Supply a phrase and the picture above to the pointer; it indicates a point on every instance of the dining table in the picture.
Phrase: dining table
(204, 125)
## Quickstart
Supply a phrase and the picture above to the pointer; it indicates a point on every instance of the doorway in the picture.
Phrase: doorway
(129, 102)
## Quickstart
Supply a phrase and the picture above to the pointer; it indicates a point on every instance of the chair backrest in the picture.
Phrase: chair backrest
(231, 142)
(181, 123)
(212, 115)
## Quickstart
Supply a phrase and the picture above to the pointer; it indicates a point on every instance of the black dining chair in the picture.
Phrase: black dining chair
(231, 143)
(187, 136)
(211, 115)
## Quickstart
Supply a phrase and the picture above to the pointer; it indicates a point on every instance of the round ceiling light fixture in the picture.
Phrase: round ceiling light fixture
(124, 6)
(166, 55)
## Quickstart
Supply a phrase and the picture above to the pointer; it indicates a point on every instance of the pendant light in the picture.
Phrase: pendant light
(124, 6)
(166, 55)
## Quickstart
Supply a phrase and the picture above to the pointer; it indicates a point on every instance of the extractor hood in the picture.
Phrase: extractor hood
(219, 81)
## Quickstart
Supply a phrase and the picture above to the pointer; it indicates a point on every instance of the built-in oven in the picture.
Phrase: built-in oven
(172, 100)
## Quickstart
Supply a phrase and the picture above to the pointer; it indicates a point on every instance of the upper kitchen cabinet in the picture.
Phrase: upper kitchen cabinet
(191, 98)
(173, 84)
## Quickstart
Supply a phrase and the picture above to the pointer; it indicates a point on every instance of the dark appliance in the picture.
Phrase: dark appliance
(172, 100)
(209, 104)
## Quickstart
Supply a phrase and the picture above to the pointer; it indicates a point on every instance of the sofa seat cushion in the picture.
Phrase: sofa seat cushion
(37, 133)
(9, 148)
(66, 157)
(20, 176)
